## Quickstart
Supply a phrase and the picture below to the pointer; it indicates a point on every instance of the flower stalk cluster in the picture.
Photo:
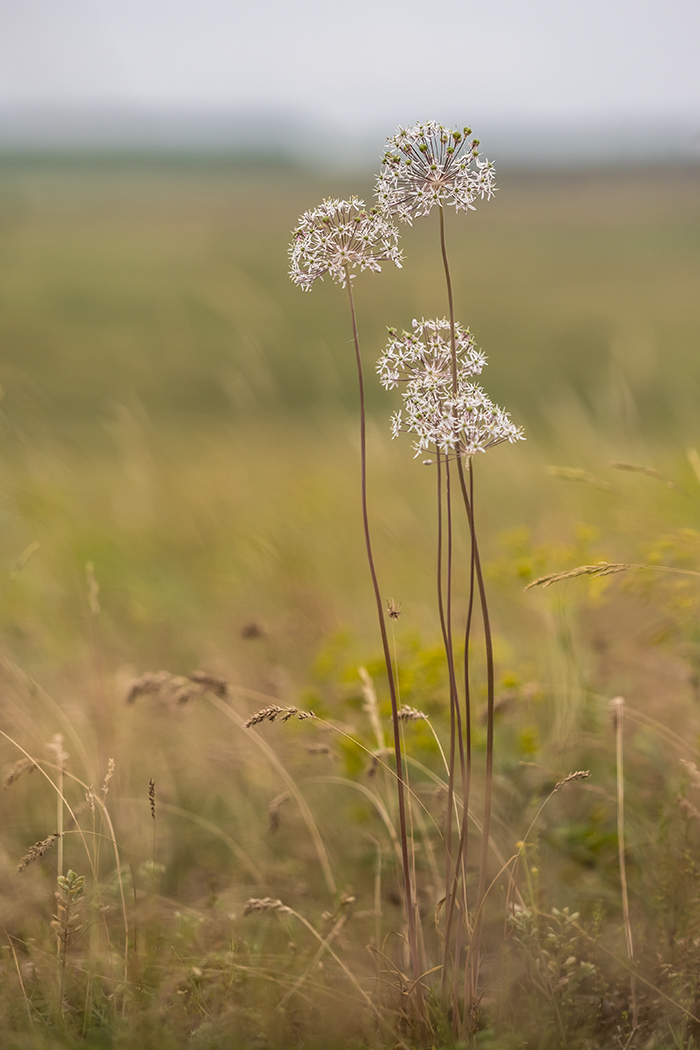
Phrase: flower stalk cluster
(442, 406)
(425, 166)
(338, 237)
(428, 164)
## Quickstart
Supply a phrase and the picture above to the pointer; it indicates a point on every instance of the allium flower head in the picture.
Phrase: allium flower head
(459, 422)
(429, 164)
(340, 236)
(424, 355)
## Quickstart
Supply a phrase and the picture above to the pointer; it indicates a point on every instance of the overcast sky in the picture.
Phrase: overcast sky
(357, 61)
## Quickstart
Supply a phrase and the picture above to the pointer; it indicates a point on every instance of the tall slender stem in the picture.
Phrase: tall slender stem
(490, 693)
(450, 765)
(466, 769)
(454, 692)
(468, 498)
(453, 863)
(617, 710)
(450, 300)
(467, 689)
(408, 890)
(59, 809)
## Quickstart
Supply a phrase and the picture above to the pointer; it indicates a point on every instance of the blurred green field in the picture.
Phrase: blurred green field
(178, 416)
(178, 413)
(166, 285)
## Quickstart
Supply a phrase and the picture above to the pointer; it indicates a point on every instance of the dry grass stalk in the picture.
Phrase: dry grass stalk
(617, 713)
(377, 758)
(93, 589)
(411, 714)
(602, 568)
(147, 684)
(688, 806)
(274, 811)
(37, 850)
(273, 713)
(580, 774)
(24, 765)
(692, 771)
(56, 745)
(371, 707)
(210, 683)
(320, 749)
(176, 689)
(650, 473)
(578, 474)
(266, 904)
(335, 922)
(111, 766)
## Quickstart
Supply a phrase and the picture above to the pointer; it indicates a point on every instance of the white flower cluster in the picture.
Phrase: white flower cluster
(429, 164)
(340, 236)
(460, 422)
(426, 353)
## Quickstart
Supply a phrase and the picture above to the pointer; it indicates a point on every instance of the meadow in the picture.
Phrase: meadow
(179, 496)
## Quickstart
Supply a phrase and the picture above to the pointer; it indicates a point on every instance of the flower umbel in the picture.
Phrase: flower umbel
(451, 419)
(340, 236)
(429, 164)
(425, 356)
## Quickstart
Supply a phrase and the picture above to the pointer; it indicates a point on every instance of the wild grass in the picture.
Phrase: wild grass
(146, 322)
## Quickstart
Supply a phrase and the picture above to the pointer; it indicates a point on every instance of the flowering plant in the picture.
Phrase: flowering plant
(428, 164)
(443, 408)
(339, 236)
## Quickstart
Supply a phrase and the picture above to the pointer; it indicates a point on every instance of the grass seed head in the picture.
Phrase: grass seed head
(111, 765)
(411, 714)
(274, 713)
(210, 682)
(24, 765)
(320, 749)
(580, 774)
(37, 850)
(265, 904)
(602, 568)
(692, 771)
(274, 811)
(378, 758)
(56, 746)
(176, 689)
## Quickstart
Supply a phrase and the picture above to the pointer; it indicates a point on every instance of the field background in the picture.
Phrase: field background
(178, 415)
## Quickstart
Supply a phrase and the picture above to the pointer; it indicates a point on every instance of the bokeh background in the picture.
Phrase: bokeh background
(178, 432)
(177, 413)
(179, 477)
